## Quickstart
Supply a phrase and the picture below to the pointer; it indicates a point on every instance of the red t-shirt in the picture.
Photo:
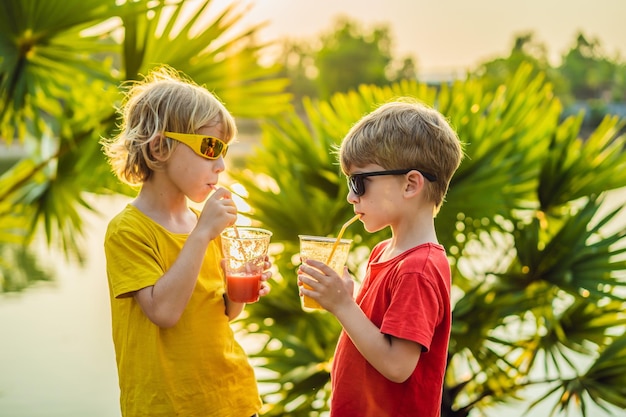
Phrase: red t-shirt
(407, 297)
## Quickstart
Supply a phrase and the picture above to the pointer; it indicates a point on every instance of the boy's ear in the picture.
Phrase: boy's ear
(157, 149)
(414, 183)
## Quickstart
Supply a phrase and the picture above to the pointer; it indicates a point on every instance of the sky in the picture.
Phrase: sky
(447, 36)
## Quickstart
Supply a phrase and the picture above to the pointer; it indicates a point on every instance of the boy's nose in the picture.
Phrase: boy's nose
(219, 164)
(352, 198)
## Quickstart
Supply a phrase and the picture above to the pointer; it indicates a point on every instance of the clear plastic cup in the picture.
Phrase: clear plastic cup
(319, 248)
(245, 249)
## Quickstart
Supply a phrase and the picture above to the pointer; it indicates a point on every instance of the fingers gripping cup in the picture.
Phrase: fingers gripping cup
(320, 248)
(244, 249)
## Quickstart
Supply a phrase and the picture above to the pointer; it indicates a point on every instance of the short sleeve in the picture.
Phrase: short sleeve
(414, 311)
(132, 263)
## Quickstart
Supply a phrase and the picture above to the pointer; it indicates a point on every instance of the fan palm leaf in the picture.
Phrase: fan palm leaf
(59, 80)
(577, 168)
(43, 48)
(524, 279)
(183, 36)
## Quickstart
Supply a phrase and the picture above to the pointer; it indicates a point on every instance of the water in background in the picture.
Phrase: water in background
(56, 352)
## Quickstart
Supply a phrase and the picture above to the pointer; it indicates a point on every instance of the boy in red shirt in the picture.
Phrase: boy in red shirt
(391, 355)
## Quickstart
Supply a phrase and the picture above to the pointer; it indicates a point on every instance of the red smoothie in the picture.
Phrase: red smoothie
(243, 288)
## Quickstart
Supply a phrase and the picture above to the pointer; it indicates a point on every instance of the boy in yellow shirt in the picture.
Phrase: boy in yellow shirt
(175, 351)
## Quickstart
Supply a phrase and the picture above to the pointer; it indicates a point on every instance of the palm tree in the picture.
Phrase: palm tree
(61, 65)
(537, 251)
(537, 248)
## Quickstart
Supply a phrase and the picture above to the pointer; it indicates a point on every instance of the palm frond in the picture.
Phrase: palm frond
(44, 47)
(226, 62)
(604, 383)
(577, 168)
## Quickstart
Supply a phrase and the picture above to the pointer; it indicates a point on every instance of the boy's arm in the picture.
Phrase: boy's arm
(394, 358)
(164, 302)
(233, 309)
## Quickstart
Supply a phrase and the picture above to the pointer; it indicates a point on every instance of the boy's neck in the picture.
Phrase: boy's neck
(170, 211)
(415, 230)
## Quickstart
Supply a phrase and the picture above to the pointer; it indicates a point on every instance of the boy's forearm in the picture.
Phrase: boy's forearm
(233, 309)
(377, 348)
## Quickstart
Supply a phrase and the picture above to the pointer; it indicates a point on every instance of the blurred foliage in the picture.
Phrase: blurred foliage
(538, 257)
(537, 252)
(364, 55)
(591, 74)
(14, 279)
(586, 76)
(525, 50)
(62, 63)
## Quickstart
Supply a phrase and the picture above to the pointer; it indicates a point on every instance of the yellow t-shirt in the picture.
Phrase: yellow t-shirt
(195, 368)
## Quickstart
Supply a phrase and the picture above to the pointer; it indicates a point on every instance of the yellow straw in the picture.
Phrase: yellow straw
(343, 229)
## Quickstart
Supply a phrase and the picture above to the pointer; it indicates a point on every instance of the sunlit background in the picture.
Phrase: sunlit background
(59, 361)
(449, 36)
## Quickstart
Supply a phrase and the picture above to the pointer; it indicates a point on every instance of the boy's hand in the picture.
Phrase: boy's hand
(266, 275)
(327, 288)
(218, 213)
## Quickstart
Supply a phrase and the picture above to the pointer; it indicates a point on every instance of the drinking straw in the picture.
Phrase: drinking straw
(242, 250)
(343, 229)
(236, 232)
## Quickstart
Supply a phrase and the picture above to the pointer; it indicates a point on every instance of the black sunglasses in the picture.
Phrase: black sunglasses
(357, 185)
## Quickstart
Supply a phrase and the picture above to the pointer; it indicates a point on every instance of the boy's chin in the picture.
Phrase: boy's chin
(374, 229)
(198, 199)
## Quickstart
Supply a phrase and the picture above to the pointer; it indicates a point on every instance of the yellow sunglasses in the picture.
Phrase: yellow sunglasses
(208, 147)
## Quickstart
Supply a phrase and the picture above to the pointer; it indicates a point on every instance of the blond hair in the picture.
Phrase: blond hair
(405, 134)
(165, 100)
